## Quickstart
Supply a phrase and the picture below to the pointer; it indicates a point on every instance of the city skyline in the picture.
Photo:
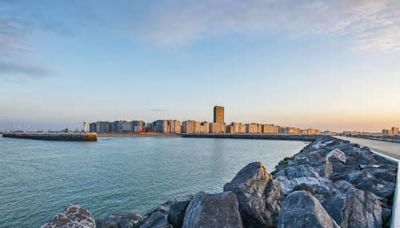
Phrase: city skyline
(310, 64)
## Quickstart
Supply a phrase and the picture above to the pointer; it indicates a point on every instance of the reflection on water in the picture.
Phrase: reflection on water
(38, 178)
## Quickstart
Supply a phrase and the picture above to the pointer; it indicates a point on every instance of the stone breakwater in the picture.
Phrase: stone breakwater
(330, 183)
(83, 137)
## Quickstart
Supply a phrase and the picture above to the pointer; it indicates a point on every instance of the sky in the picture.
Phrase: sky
(332, 65)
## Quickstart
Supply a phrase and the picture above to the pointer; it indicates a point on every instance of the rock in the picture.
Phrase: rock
(157, 217)
(304, 187)
(322, 187)
(213, 211)
(384, 172)
(336, 155)
(297, 171)
(364, 180)
(301, 209)
(351, 207)
(249, 186)
(72, 216)
(177, 213)
(310, 164)
(274, 197)
(120, 220)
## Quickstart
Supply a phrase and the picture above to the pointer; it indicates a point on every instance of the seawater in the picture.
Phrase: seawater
(39, 178)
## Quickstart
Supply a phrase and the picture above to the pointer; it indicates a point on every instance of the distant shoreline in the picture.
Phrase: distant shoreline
(147, 134)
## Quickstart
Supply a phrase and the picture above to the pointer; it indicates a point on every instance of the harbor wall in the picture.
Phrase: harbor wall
(84, 137)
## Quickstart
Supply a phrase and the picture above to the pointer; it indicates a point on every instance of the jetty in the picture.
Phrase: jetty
(82, 137)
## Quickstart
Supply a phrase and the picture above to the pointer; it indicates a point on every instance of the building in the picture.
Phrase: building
(103, 126)
(310, 131)
(92, 127)
(174, 126)
(138, 125)
(270, 129)
(204, 127)
(291, 131)
(219, 115)
(160, 126)
(191, 126)
(395, 130)
(234, 128)
(251, 128)
(121, 126)
(217, 128)
(166, 126)
(387, 132)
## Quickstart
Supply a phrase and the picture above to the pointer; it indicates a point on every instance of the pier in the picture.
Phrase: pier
(82, 137)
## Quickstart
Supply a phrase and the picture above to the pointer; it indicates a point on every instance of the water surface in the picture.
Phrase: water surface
(38, 178)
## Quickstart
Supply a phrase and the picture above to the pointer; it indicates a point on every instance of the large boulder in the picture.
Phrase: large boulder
(321, 187)
(213, 211)
(120, 220)
(157, 217)
(177, 213)
(351, 207)
(365, 180)
(274, 197)
(72, 216)
(300, 171)
(301, 209)
(310, 164)
(249, 186)
(336, 155)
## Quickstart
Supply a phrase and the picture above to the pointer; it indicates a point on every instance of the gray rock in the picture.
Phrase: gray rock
(274, 197)
(306, 164)
(351, 207)
(301, 209)
(304, 187)
(297, 171)
(177, 213)
(157, 217)
(73, 216)
(249, 186)
(365, 180)
(336, 155)
(213, 211)
(120, 220)
(322, 187)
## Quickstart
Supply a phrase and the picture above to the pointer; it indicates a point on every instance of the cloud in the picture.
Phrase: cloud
(372, 24)
(13, 48)
(12, 33)
(9, 70)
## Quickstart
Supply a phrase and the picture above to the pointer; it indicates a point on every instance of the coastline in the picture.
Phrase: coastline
(322, 173)
(150, 134)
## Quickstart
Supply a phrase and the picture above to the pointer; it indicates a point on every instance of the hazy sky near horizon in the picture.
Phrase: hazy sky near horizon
(326, 64)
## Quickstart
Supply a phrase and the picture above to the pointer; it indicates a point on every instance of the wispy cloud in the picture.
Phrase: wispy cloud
(372, 24)
(12, 49)
(9, 70)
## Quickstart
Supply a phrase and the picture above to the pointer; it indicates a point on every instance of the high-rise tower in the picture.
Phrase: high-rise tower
(219, 114)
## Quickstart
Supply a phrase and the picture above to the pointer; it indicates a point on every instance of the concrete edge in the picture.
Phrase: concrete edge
(395, 220)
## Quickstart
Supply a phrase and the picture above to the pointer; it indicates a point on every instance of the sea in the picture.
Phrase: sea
(39, 178)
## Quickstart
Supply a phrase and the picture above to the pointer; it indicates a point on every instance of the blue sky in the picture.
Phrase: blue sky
(329, 65)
